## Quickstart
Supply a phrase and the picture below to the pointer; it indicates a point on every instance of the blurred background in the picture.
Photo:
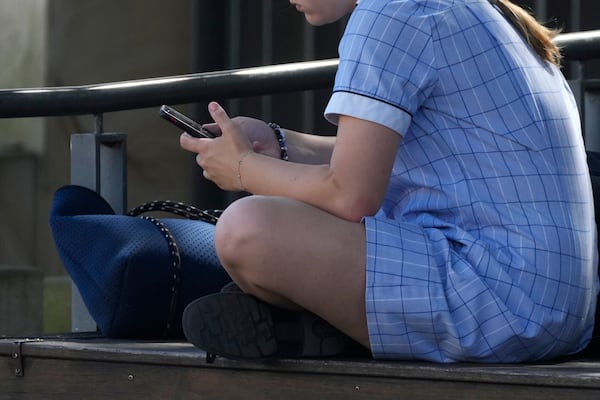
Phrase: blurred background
(75, 42)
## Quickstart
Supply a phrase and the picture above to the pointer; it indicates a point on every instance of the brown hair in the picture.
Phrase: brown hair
(538, 36)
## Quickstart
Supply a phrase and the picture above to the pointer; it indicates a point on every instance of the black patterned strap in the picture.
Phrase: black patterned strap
(176, 268)
(184, 210)
(177, 208)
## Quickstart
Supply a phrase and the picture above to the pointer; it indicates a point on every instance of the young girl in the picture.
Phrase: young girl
(450, 219)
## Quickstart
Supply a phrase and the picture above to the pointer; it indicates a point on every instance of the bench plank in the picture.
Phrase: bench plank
(75, 368)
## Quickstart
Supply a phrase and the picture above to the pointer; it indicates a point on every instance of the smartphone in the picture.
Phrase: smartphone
(187, 124)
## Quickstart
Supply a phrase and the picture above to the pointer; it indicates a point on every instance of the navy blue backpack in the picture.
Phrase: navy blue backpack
(135, 273)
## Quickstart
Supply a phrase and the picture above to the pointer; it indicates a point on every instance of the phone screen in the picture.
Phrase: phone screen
(182, 121)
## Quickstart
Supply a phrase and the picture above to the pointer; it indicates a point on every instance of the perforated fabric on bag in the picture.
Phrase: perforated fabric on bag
(124, 266)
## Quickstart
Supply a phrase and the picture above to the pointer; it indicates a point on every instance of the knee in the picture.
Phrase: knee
(239, 231)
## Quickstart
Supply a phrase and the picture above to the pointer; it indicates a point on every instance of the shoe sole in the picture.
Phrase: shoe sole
(239, 326)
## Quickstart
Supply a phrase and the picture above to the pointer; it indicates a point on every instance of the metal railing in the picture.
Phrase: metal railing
(143, 93)
(98, 159)
(128, 95)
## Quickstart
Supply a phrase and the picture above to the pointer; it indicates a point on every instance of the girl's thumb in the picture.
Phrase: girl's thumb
(218, 114)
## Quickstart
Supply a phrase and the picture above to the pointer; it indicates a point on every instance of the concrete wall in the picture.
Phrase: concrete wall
(23, 53)
(72, 42)
(93, 41)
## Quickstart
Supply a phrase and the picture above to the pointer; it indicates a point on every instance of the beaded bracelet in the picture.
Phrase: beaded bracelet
(280, 135)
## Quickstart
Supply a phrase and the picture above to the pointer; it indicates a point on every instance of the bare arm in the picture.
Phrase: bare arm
(309, 149)
(351, 185)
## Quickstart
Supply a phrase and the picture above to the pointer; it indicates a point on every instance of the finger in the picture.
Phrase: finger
(188, 143)
(186, 138)
(218, 114)
(184, 141)
(213, 128)
(191, 143)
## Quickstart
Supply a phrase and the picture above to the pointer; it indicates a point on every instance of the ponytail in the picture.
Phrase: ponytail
(538, 36)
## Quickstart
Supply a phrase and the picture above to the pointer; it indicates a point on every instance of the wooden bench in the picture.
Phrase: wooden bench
(90, 367)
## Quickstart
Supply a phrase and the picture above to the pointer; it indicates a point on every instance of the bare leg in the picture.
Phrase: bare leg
(291, 254)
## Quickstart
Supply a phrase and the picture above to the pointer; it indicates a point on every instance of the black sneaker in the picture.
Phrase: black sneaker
(236, 325)
(231, 287)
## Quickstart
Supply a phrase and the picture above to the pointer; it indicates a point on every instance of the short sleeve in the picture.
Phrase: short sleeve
(387, 64)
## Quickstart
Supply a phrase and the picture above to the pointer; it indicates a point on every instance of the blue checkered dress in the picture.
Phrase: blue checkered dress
(484, 248)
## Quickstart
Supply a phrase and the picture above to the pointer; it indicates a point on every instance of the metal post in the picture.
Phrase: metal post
(209, 54)
(267, 53)
(576, 78)
(234, 44)
(576, 66)
(591, 114)
(541, 10)
(308, 97)
(98, 162)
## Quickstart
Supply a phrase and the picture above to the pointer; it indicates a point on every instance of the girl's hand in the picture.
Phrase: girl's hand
(258, 132)
(220, 158)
